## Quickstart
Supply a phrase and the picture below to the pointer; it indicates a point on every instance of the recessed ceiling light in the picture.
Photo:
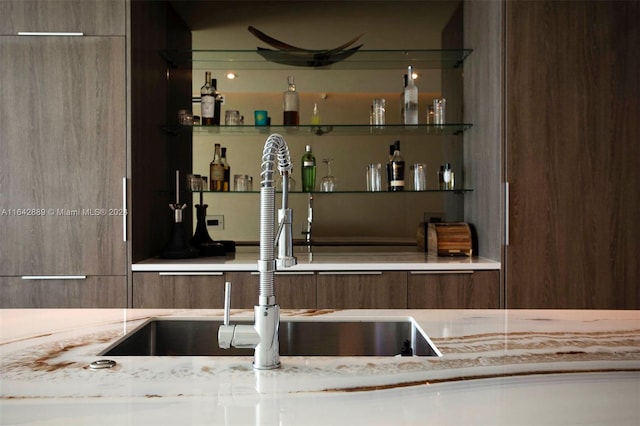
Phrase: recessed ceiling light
(231, 75)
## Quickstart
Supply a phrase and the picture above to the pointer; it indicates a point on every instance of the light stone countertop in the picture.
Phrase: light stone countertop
(498, 367)
(326, 258)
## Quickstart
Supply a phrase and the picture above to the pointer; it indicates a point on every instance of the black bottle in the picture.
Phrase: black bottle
(392, 149)
(397, 170)
(217, 102)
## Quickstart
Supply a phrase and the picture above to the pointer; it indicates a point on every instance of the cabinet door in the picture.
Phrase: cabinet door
(362, 290)
(573, 154)
(176, 290)
(94, 17)
(455, 290)
(62, 155)
(72, 292)
(294, 290)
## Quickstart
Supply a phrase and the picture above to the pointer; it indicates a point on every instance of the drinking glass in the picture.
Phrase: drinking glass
(328, 182)
(374, 177)
(419, 176)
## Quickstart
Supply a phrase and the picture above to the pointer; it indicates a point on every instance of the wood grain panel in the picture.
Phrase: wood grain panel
(92, 292)
(387, 290)
(573, 102)
(62, 155)
(152, 290)
(476, 290)
(293, 291)
(94, 17)
(483, 106)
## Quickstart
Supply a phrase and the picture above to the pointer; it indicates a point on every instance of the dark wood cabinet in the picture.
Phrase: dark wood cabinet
(197, 290)
(178, 290)
(294, 290)
(362, 290)
(63, 292)
(322, 290)
(454, 290)
(63, 153)
(63, 143)
(573, 154)
(94, 17)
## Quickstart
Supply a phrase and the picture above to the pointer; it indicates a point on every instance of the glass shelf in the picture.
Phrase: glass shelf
(335, 130)
(360, 60)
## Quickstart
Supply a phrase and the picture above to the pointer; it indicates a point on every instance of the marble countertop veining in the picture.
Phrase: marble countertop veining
(494, 364)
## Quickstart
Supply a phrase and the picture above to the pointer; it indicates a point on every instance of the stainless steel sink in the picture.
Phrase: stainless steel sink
(199, 337)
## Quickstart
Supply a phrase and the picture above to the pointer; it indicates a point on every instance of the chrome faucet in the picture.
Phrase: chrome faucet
(263, 334)
(307, 231)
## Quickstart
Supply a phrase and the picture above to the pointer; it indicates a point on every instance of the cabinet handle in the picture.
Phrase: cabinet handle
(170, 274)
(288, 273)
(54, 277)
(457, 271)
(125, 213)
(350, 273)
(506, 214)
(50, 34)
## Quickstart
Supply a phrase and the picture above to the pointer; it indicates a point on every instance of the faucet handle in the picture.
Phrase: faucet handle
(227, 302)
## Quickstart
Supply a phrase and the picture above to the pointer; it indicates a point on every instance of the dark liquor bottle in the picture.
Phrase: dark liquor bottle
(217, 102)
(392, 149)
(227, 170)
(397, 170)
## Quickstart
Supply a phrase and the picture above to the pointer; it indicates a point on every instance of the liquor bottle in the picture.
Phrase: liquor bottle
(410, 99)
(227, 170)
(448, 177)
(217, 102)
(216, 171)
(315, 117)
(392, 149)
(397, 170)
(291, 116)
(308, 170)
(404, 86)
(207, 101)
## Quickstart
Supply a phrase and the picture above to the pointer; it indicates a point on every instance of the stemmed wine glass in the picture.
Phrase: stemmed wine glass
(328, 182)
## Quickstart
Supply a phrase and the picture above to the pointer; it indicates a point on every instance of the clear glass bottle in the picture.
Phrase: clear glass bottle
(315, 117)
(439, 108)
(207, 101)
(410, 99)
(291, 103)
(216, 170)
(404, 85)
(308, 170)
(227, 170)
(397, 170)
